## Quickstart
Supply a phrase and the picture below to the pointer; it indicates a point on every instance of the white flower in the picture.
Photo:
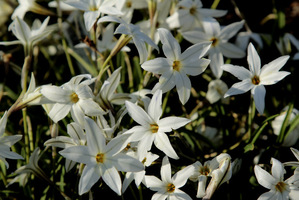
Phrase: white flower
(75, 97)
(294, 163)
(147, 160)
(176, 66)
(101, 160)
(257, 77)
(216, 90)
(26, 36)
(294, 41)
(151, 128)
(279, 188)
(243, 39)
(93, 9)
(293, 136)
(6, 142)
(202, 172)
(220, 45)
(77, 137)
(127, 7)
(132, 32)
(191, 14)
(29, 5)
(168, 187)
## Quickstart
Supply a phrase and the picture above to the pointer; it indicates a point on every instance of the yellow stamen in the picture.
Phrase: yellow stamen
(74, 97)
(100, 158)
(176, 65)
(214, 41)
(129, 4)
(192, 10)
(255, 80)
(170, 188)
(281, 186)
(205, 170)
(154, 128)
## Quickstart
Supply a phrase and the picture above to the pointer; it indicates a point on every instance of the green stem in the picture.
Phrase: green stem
(215, 4)
(26, 136)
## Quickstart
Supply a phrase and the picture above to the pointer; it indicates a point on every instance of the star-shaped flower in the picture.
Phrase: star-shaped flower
(75, 97)
(279, 188)
(101, 160)
(176, 66)
(256, 77)
(220, 42)
(169, 187)
(151, 128)
(6, 142)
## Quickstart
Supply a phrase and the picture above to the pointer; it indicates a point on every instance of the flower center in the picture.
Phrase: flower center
(74, 97)
(129, 4)
(192, 10)
(154, 128)
(204, 170)
(176, 65)
(100, 157)
(170, 188)
(214, 41)
(280, 186)
(144, 160)
(255, 80)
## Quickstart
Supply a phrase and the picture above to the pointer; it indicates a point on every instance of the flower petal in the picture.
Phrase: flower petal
(112, 179)
(264, 178)
(231, 51)
(239, 88)
(277, 169)
(96, 141)
(168, 124)
(171, 47)
(231, 30)
(166, 170)
(157, 65)
(138, 114)
(259, 93)
(238, 71)
(155, 106)
(59, 111)
(183, 86)
(162, 142)
(88, 178)
(216, 58)
(253, 60)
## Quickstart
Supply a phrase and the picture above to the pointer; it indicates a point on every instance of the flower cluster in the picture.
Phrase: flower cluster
(122, 90)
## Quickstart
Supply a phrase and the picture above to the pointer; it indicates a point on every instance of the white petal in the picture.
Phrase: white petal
(231, 51)
(138, 114)
(238, 71)
(56, 94)
(78, 154)
(153, 183)
(162, 142)
(75, 131)
(277, 169)
(264, 178)
(59, 111)
(127, 163)
(216, 58)
(166, 82)
(141, 48)
(157, 65)
(211, 27)
(259, 93)
(77, 114)
(253, 60)
(166, 170)
(273, 78)
(181, 177)
(155, 106)
(112, 179)
(195, 37)
(231, 30)
(96, 141)
(183, 86)
(91, 108)
(168, 124)
(201, 188)
(239, 88)
(195, 52)
(90, 17)
(171, 47)
(110, 10)
(88, 178)
(274, 66)
(271, 195)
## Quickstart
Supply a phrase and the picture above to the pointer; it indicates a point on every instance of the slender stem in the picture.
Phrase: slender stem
(215, 4)
(26, 136)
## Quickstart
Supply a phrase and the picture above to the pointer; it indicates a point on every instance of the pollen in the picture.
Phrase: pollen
(170, 188)
(255, 80)
(214, 41)
(129, 4)
(280, 186)
(74, 97)
(205, 170)
(154, 128)
(192, 10)
(176, 65)
(100, 158)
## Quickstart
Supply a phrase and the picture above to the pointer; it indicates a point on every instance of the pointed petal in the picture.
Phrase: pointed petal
(238, 71)
(56, 94)
(96, 141)
(75, 131)
(162, 142)
(195, 67)
(141, 48)
(59, 111)
(274, 65)
(112, 179)
(195, 52)
(231, 30)
(155, 106)
(153, 183)
(196, 36)
(273, 78)
(253, 60)
(277, 169)
(166, 82)
(231, 51)
(89, 177)
(259, 93)
(138, 114)
(211, 27)
(166, 170)
(90, 17)
(126, 163)
(264, 178)
(181, 177)
(171, 47)
(216, 58)
(239, 88)
(183, 86)
(168, 124)
(157, 65)
(78, 154)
